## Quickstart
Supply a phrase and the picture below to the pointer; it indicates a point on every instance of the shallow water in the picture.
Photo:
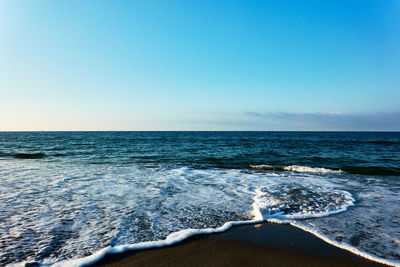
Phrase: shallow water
(66, 195)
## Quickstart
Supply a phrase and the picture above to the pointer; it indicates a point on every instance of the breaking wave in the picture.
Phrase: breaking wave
(295, 168)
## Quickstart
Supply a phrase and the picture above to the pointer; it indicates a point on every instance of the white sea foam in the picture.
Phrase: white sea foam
(170, 240)
(261, 167)
(194, 197)
(260, 206)
(258, 212)
(179, 236)
(271, 206)
(296, 168)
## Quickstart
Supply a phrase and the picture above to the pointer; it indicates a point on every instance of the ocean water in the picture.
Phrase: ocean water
(67, 198)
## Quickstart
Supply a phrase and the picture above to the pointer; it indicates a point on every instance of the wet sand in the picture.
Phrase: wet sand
(245, 245)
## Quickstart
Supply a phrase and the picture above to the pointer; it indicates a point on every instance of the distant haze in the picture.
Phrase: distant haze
(200, 65)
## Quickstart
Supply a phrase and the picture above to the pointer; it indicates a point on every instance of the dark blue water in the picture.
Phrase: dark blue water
(65, 195)
(359, 153)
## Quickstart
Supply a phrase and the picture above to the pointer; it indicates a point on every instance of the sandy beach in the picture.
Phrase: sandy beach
(246, 245)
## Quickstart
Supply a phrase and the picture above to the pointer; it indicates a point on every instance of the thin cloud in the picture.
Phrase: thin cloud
(253, 114)
(328, 121)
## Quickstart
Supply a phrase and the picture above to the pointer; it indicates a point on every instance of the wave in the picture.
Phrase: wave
(295, 168)
(171, 239)
(38, 155)
(373, 142)
(274, 203)
(259, 217)
(59, 155)
(367, 170)
(263, 167)
(276, 199)
(354, 250)
(373, 170)
(29, 155)
(383, 142)
(179, 236)
(83, 144)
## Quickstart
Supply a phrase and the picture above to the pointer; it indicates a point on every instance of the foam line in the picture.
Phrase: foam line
(354, 250)
(179, 236)
(171, 239)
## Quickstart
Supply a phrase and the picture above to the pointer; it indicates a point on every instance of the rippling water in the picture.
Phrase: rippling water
(67, 195)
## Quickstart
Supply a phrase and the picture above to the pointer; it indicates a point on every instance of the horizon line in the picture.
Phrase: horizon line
(321, 131)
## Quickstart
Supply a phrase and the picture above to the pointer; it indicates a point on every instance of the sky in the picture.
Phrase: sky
(200, 65)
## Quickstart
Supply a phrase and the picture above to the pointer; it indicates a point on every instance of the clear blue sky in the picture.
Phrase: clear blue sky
(200, 65)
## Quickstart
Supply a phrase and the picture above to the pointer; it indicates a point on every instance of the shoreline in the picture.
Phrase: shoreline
(263, 244)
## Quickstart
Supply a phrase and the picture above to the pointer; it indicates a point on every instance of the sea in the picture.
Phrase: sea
(69, 198)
